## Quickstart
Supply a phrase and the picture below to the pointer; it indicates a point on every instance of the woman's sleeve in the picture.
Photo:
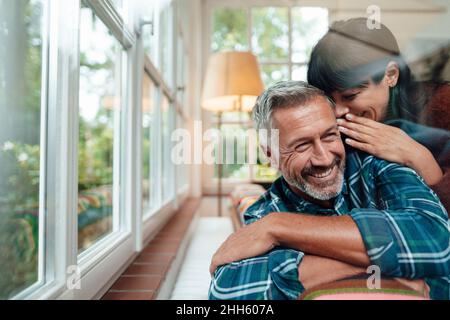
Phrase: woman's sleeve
(438, 142)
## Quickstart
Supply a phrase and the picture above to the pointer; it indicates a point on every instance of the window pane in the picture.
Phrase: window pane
(20, 109)
(234, 154)
(182, 169)
(299, 72)
(165, 38)
(99, 131)
(272, 73)
(229, 30)
(118, 4)
(308, 26)
(232, 117)
(149, 38)
(148, 122)
(167, 181)
(270, 32)
(181, 72)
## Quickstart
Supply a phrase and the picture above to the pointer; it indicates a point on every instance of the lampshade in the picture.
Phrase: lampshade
(232, 82)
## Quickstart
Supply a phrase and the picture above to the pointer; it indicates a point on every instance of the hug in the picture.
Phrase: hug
(364, 159)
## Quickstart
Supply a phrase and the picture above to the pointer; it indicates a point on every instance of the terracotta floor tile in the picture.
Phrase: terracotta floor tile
(156, 257)
(161, 247)
(137, 283)
(147, 269)
(129, 295)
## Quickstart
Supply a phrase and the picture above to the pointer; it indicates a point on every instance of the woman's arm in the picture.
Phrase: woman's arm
(391, 144)
(442, 189)
(316, 270)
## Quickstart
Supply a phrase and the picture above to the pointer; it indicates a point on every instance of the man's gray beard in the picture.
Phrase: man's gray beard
(320, 194)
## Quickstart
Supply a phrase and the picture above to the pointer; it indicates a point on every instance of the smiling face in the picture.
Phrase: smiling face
(312, 156)
(369, 100)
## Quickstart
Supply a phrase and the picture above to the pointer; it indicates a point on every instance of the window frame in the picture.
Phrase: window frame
(99, 266)
(45, 263)
(60, 104)
(161, 212)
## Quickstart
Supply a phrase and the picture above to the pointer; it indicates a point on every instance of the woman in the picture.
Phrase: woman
(379, 106)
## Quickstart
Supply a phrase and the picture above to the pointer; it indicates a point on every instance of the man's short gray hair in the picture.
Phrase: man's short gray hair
(283, 94)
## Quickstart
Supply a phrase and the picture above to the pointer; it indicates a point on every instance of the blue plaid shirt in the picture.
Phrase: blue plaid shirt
(403, 224)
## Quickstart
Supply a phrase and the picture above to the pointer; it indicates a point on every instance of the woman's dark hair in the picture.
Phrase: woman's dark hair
(350, 54)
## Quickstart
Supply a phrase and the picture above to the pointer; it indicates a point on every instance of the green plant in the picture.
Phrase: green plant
(19, 221)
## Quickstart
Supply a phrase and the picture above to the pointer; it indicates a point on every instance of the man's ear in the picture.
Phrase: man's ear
(391, 74)
(271, 156)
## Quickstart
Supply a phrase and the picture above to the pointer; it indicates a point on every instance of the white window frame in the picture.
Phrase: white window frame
(163, 209)
(45, 263)
(100, 265)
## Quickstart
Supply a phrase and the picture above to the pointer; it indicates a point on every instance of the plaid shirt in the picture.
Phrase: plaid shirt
(403, 224)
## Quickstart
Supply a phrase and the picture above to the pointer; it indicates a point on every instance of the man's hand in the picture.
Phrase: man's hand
(250, 241)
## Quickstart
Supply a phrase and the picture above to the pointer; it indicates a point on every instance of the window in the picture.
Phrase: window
(165, 29)
(182, 170)
(234, 161)
(22, 205)
(167, 164)
(230, 30)
(270, 34)
(99, 131)
(282, 38)
(149, 146)
(161, 81)
(68, 142)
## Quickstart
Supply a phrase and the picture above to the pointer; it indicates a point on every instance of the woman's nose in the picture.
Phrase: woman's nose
(341, 110)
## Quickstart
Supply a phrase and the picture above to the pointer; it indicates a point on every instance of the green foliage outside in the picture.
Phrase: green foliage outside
(230, 30)
(95, 153)
(20, 158)
(19, 224)
(270, 33)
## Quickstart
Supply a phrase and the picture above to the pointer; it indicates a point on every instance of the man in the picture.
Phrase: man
(330, 215)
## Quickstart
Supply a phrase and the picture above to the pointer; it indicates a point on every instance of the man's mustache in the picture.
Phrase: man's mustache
(311, 170)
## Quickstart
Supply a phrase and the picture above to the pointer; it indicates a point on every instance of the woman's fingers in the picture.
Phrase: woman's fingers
(365, 147)
(359, 128)
(357, 135)
(363, 121)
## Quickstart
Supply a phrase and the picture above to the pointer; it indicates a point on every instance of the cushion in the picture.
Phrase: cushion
(357, 289)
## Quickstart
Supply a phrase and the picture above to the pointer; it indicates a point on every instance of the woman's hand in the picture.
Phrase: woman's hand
(391, 144)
